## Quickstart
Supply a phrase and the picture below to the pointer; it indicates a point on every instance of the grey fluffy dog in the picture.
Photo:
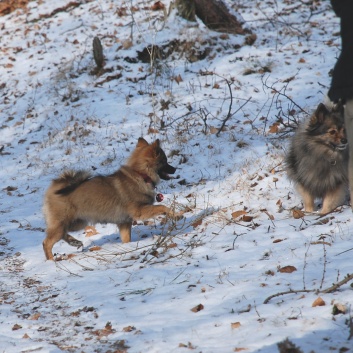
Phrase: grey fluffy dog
(317, 160)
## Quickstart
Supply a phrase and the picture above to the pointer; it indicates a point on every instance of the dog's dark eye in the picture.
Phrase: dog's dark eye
(332, 132)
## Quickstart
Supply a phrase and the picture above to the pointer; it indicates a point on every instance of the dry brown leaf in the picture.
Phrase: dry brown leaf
(95, 248)
(178, 79)
(196, 223)
(152, 130)
(298, 214)
(172, 245)
(35, 316)
(197, 308)
(277, 241)
(239, 213)
(25, 336)
(274, 128)
(129, 328)
(234, 325)
(90, 231)
(287, 269)
(320, 242)
(240, 349)
(157, 6)
(318, 302)
(16, 327)
(107, 330)
(213, 130)
(246, 218)
(302, 60)
(189, 345)
(127, 44)
(155, 253)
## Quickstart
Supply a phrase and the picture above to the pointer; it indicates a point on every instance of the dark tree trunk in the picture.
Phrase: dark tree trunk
(186, 9)
(213, 13)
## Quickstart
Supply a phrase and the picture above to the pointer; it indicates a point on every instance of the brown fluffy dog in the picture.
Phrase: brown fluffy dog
(76, 198)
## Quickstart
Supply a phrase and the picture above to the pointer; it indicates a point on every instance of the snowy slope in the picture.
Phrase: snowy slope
(200, 284)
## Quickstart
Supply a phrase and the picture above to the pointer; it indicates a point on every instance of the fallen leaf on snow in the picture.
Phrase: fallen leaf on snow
(197, 308)
(107, 330)
(189, 345)
(287, 269)
(318, 302)
(298, 214)
(129, 328)
(274, 128)
(16, 327)
(90, 231)
(239, 213)
(157, 6)
(35, 316)
(178, 79)
(196, 223)
(95, 248)
(320, 242)
(246, 218)
(235, 325)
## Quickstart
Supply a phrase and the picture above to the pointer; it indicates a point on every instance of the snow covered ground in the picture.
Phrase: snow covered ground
(201, 284)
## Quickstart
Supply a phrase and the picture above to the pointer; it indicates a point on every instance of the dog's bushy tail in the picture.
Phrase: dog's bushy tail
(71, 179)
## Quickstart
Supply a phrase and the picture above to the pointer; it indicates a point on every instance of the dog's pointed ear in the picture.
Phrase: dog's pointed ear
(319, 115)
(142, 142)
(156, 147)
(157, 144)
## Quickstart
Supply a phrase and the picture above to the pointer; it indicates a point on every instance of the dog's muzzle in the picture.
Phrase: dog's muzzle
(341, 147)
(165, 171)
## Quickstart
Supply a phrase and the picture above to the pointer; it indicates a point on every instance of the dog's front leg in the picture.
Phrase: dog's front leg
(125, 231)
(333, 199)
(308, 199)
(151, 211)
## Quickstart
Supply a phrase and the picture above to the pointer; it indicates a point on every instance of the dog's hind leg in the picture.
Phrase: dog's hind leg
(348, 121)
(308, 199)
(72, 241)
(78, 224)
(125, 232)
(55, 232)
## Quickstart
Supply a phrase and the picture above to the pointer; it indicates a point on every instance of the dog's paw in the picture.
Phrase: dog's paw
(62, 257)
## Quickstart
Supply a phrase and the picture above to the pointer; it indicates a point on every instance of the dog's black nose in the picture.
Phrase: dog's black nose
(344, 141)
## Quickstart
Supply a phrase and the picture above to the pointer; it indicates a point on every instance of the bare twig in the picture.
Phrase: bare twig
(338, 284)
(287, 292)
(327, 290)
(230, 114)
